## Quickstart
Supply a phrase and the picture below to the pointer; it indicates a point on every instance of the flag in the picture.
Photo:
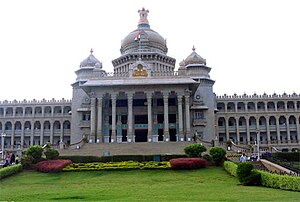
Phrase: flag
(138, 36)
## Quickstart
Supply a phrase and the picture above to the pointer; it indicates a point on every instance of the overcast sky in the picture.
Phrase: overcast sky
(251, 46)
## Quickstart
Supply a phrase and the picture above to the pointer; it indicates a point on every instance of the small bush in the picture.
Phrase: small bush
(52, 165)
(51, 154)
(246, 175)
(276, 181)
(194, 150)
(218, 155)
(231, 168)
(10, 170)
(188, 163)
(35, 152)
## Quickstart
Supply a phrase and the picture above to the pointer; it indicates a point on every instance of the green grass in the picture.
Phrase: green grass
(212, 184)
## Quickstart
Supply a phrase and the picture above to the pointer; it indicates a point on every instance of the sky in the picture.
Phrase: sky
(251, 46)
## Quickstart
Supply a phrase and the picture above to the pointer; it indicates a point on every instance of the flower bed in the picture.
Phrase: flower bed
(188, 163)
(125, 165)
(52, 165)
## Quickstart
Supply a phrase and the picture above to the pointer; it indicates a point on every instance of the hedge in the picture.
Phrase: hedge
(280, 181)
(51, 165)
(125, 165)
(188, 163)
(119, 158)
(289, 156)
(10, 170)
(231, 168)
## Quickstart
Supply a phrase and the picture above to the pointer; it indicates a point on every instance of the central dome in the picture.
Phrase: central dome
(143, 39)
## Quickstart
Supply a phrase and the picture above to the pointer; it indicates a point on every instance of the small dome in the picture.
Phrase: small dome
(194, 58)
(91, 61)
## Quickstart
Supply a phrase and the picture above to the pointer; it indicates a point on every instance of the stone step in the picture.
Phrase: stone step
(143, 148)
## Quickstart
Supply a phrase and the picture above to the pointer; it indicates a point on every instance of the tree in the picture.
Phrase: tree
(194, 150)
(218, 155)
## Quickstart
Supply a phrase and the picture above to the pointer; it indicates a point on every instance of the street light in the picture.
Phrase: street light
(2, 143)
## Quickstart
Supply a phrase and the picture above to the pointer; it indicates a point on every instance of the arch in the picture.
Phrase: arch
(57, 110)
(271, 106)
(19, 111)
(37, 125)
(9, 111)
(67, 110)
(56, 125)
(28, 111)
(1, 111)
(242, 121)
(47, 125)
(262, 121)
(282, 120)
(47, 110)
(272, 121)
(252, 121)
(241, 106)
(231, 121)
(18, 125)
(8, 125)
(27, 125)
(280, 106)
(221, 106)
(230, 106)
(38, 110)
(290, 105)
(260, 106)
(67, 125)
(292, 120)
(221, 122)
(251, 106)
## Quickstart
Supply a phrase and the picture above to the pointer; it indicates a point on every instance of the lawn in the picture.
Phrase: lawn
(213, 184)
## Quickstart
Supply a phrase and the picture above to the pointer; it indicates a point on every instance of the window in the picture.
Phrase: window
(86, 116)
(198, 115)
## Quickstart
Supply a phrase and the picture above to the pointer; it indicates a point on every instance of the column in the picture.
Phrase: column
(166, 116)
(129, 117)
(113, 116)
(61, 137)
(237, 130)
(31, 136)
(288, 130)
(268, 130)
(149, 110)
(22, 133)
(226, 128)
(42, 133)
(180, 118)
(248, 130)
(51, 132)
(298, 131)
(99, 120)
(278, 130)
(119, 128)
(12, 136)
(187, 115)
(93, 120)
(257, 129)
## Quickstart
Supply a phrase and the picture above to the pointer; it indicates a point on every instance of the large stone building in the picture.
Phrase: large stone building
(146, 100)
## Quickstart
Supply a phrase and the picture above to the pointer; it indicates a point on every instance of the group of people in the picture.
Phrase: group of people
(11, 159)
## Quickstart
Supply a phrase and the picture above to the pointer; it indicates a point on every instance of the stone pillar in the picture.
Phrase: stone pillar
(298, 132)
(61, 137)
(268, 130)
(99, 120)
(187, 115)
(130, 119)
(51, 132)
(12, 136)
(295, 106)
(288, 130)
(31, 136)
(42, 133)
(149, 110)
(119, 128)
(278, 130)
(226, 128)
(180, 118)
(166, 116)
(237, 130)
(93, 120)
(113, 116)
(248, 130)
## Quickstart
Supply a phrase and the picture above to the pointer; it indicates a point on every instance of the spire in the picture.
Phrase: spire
(193, 48)
(91, 50)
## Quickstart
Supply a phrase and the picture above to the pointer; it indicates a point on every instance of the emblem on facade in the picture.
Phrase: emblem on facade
(140, 71)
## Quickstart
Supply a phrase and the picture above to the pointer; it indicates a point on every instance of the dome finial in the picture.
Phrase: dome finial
(193, 48)
(143, 16)
(91, 50)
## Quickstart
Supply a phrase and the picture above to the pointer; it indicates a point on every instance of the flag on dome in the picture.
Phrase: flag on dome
(138, 36)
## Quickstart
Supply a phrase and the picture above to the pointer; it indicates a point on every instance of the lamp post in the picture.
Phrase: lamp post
(2, 143)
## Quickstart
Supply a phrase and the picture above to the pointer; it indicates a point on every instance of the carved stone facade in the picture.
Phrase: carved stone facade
(146, 100)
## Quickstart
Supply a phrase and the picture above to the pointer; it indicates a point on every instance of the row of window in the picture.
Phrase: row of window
(272, 106)
(10, 111)
(37, 125)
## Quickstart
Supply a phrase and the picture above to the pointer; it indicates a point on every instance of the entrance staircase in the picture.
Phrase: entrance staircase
(137, 148)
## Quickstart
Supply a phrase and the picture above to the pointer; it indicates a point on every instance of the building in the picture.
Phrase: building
(146, 99)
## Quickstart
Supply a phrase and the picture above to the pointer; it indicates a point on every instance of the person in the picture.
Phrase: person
(7, 158)
(17, 159)
(243, 158)
(12, 159)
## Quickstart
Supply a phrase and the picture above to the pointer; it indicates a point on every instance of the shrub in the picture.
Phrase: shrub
(246, 174)
(188, 163)
(51, 154)
(81, 159)
(218, 155)
(207, 157)
(280, 181)
(35, 152)
(26, 161)
(52, 165)
(230, 167)
(289, 156)
(10, 170)
(194, 150)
